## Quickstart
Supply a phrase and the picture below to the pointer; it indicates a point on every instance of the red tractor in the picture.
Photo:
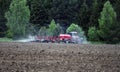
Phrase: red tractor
(71, 37)
(65, 38)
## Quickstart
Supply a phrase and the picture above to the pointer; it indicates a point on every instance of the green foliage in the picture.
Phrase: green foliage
(74, 27)
(9, 34)
(6, 40)
(117, 9)
(4, 4)
(63, 11)
(31, 29)
(43, 31)
(17, 18)
(96, 42)
(109, 27)
(92, 34)
(40, 12)
(58, 30)
(84, 15)
(52, 28)
(94, 13)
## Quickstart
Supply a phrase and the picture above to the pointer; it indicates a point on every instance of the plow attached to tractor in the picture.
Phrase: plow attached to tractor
(71, 37)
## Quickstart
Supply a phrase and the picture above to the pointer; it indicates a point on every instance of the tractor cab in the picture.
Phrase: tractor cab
(74, 37)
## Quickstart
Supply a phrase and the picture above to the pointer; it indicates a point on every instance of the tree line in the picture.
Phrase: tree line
(88, 14)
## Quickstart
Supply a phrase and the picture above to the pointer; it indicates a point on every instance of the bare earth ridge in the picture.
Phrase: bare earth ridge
(52, 57)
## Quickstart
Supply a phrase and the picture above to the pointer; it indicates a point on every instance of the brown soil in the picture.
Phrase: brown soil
(51, 57)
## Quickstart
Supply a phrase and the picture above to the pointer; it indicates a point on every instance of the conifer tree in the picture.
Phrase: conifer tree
(109, 28)
(52, 27)
(94, 13)
(84, 15)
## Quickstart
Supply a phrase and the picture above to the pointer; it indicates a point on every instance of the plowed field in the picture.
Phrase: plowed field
(51, 57)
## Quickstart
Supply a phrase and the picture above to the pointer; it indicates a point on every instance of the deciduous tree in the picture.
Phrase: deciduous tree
(17, 18)
(74, 27)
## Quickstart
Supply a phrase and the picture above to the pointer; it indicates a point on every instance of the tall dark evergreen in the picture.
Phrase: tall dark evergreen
(94, 13)
(84, 15)
(64, 11)
(4, 4)
(40, 12)
(117, 9)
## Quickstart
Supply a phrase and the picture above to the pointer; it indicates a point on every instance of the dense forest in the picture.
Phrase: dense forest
(91, 15)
